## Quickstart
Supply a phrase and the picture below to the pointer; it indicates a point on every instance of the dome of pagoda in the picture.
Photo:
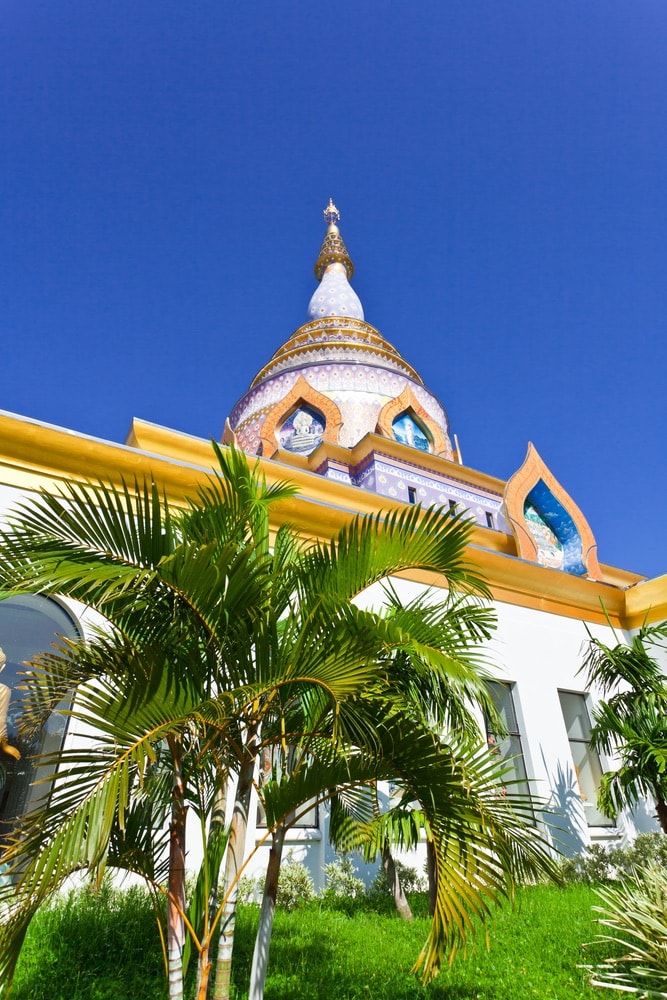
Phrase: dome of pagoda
(335, 296)
(337, 379)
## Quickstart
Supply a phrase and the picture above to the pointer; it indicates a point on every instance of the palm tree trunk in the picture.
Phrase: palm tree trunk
(176, 880)
(234, 856)
(432, 872)
(661, 810)
(204, 963)
(260, 956)
(401, 903)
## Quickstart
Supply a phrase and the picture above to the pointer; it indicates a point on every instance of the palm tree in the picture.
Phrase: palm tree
(216, 644)
(153, 684)
(442, 678)
(434, 675)
(318, 585)
(631, 720)
(182, 678)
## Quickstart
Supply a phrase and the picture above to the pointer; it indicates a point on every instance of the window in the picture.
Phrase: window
(406, 430)
(271, 766)
(586, 761)
(489, 519)
(302, 431)
(453, 505)
(28, 625)
(412, 494)
(509, 747)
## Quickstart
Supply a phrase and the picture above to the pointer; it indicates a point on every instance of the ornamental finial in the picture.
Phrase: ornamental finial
(333, 249)
(331, 214)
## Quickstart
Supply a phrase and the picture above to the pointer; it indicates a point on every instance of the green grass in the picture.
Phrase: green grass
(87, 946)
(107, 948)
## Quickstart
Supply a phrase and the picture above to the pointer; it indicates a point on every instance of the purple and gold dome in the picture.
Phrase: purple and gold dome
(337, 379)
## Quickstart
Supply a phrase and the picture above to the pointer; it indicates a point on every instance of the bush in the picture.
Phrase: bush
(411, 881)
(593, 867)
(249, 889)
(599, 864)
(636, 914)
(648, 849)
(341, 880)
(295, 886)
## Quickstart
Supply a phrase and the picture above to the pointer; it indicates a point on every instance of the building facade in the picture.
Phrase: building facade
(339, 412)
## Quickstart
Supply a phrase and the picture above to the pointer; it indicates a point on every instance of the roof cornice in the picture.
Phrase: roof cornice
(35, 455)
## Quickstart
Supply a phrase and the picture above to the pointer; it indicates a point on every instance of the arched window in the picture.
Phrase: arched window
(406, 430)
(554, 531)
(302, 431)
(549, 546)
(28, 625)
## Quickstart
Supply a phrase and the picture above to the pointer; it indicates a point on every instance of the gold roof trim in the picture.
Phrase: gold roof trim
(338, 340)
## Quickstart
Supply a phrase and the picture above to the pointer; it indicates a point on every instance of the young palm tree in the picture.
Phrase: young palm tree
(320, 584)
(155, 685)
(631, 720)
(216, 644)
(433, 676)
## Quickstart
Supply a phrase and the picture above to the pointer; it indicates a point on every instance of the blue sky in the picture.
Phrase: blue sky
(500, 169)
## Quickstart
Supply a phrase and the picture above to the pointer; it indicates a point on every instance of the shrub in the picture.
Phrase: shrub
(636, 914)
(411, 881)
(601, 864)
(249, 889)
(647, 849)
(341, 880)
(593, 867)
(295, 886)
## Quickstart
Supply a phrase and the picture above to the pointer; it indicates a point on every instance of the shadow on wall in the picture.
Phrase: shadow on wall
(566, 813)
(644, 818)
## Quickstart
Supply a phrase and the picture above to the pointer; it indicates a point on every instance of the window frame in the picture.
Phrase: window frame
(594, 818)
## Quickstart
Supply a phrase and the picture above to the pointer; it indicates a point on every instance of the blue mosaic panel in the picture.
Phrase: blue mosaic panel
(554, 530)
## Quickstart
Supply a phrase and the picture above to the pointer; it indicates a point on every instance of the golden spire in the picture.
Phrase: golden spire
(331, 214)
(333, 250)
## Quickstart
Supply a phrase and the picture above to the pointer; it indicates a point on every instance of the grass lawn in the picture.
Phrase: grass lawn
(109, 950)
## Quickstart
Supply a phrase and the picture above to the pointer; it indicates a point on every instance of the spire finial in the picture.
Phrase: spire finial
(331, 214)
(333, 249)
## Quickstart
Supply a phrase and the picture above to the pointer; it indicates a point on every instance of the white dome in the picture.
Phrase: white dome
(335, 296)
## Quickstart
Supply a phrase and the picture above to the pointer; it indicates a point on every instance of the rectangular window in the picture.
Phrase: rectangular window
(586, 761)
(489, 519)
(412, 494)
(509, 746)
(271, 764)
(453, 505)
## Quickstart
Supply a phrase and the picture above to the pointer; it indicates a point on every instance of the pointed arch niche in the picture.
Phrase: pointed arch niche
(548, 526)
(408, 405)
(302, 397)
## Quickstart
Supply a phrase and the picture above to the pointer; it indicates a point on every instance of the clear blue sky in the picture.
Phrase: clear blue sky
(500, 166)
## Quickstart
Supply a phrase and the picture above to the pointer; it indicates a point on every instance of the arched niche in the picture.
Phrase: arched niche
(547, 525)
(301, 399)
(29, 625)
(408, 405)
(407, 429)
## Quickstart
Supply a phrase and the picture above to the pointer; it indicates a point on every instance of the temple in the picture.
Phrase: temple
(338, 411)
